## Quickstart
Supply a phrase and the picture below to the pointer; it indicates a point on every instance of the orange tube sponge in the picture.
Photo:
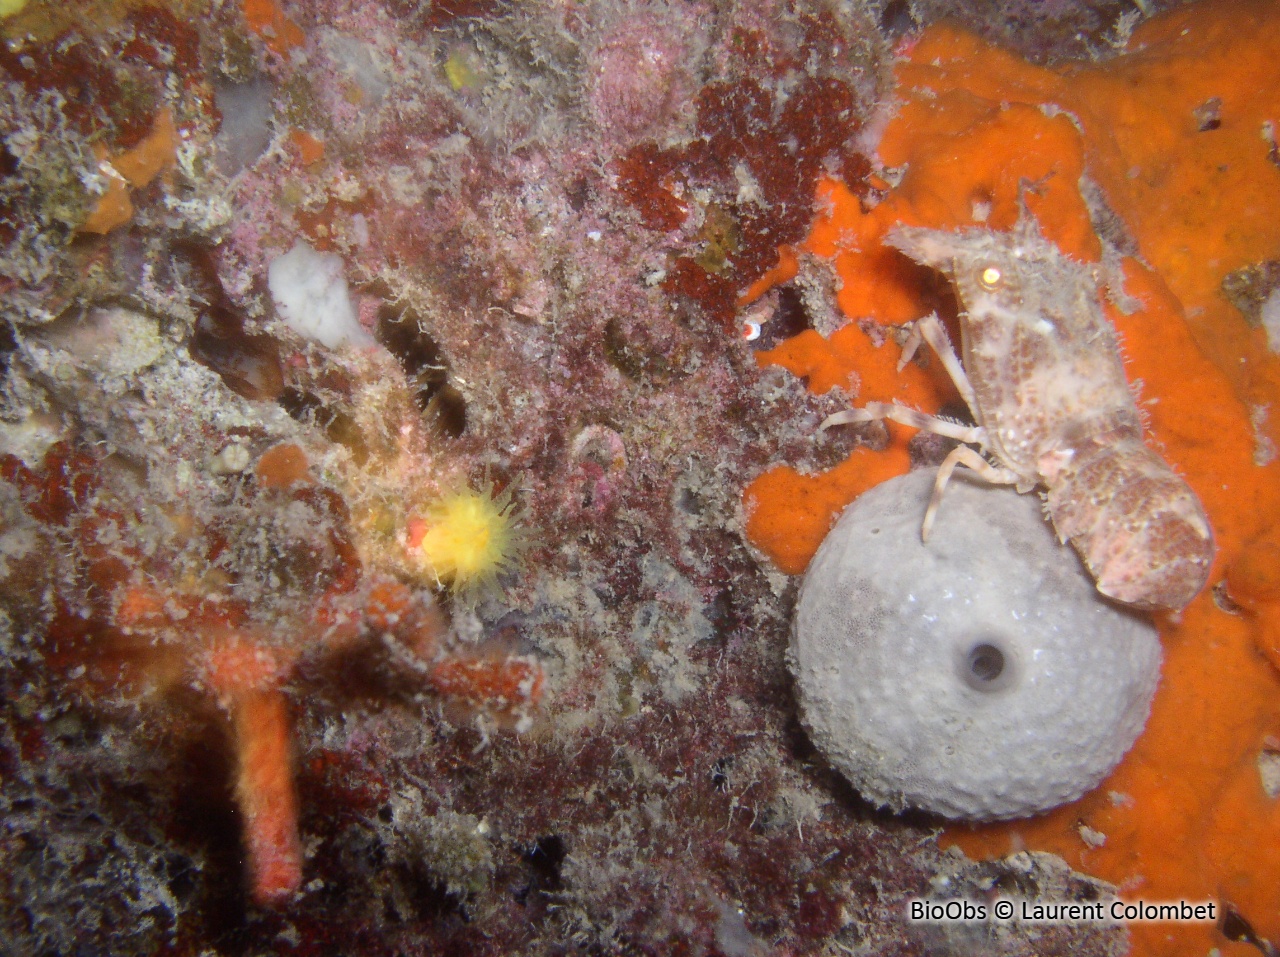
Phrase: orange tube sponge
(265, 793)
(1187, 815)
(245, 675)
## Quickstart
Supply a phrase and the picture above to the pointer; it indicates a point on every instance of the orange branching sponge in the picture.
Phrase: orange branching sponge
(199, 638)
(265, 794)
(156, 153)
(506, 683)
(246, 677)
(1177, 139)
(114, 207)
(245, 674)
(210, 646)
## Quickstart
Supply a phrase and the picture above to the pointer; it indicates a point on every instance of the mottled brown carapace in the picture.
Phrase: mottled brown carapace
(1043, 376)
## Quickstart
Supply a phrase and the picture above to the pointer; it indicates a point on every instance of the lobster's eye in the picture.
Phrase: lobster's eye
(989, 278)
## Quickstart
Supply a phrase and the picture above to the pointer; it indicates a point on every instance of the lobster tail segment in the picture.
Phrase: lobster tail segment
(1137, 525)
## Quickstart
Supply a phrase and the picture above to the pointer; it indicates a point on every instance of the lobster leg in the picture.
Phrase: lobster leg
(874, 411)
(962, 455)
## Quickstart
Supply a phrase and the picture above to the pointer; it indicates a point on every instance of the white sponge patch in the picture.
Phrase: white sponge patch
(310, 293)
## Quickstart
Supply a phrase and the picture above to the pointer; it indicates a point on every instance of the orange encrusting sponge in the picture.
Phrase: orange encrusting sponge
(1185, 816)
(132, 169)
(790, 534)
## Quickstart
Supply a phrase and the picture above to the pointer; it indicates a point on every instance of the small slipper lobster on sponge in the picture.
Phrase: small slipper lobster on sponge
(1043, 377)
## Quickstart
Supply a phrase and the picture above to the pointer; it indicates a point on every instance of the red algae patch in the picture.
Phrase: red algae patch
(1172, 138)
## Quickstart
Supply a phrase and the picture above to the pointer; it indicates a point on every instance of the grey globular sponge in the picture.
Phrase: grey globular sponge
(979, 675)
